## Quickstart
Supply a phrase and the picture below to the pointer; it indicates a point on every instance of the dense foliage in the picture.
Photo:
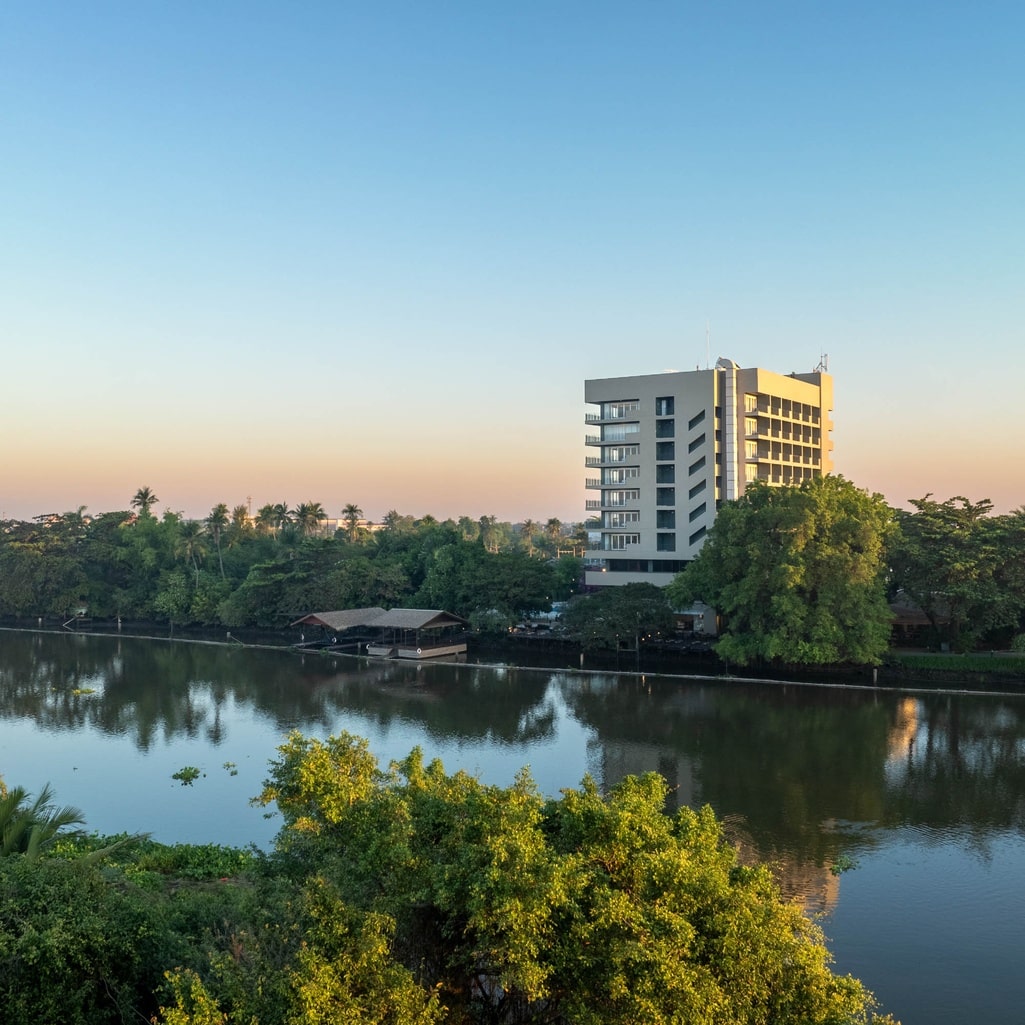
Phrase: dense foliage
(236, 570)
(964, 567)
(797, 574)
(409, 896)
(620, 617)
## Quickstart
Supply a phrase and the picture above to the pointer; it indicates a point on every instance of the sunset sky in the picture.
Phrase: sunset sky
(369, 253)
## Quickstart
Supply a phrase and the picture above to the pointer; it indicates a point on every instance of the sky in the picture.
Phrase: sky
(369, 253)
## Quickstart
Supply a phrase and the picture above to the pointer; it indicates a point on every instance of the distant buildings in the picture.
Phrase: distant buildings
(665, 450)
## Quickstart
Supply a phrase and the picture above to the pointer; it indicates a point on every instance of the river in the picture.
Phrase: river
(896, 817)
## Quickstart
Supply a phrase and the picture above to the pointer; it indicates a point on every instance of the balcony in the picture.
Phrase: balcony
(592, 439)
(592, 482)
(592, 461)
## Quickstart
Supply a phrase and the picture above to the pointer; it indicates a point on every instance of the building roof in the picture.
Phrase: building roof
(397, 619)
(345, 619)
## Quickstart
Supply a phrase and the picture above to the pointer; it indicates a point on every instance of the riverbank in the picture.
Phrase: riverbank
(901, 668)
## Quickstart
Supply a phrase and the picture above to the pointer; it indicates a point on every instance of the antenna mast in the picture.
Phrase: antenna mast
(708, 346)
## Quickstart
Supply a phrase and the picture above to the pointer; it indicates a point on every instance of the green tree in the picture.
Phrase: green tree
(797, 574)
(591, 909)
(30, 827)
(144, 499)
(528, 531)
(216, 522)
(352, 514)
(191, 545)
(308, 517)
(617, 617)
(951, 559)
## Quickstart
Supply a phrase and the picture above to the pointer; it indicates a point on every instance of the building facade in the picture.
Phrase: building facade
(666, 450)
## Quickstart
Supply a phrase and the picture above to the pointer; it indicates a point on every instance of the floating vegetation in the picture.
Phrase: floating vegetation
(187, 775)
(232, 769)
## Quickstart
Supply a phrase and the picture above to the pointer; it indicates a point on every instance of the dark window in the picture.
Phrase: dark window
(665, 519)
(665, 428)
(666, 543)
(697, 536)
(665, 474)
(697, 512)
(665, 496)
(664, 405)
(695, 420)
(697, 489)
(696, 443)
(665, 449)
(694, 467)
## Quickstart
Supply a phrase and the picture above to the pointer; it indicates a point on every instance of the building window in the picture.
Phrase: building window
(694, 467)
(621, 432)
(619, 410)
(666, 543)
(665, 519)
(620, 474)
(697, 513)
(695, 420)
(696, 443)
(665, 474)
(665, 496)
(621, 519)
(620, 453)
(664, 405)
(614, 499)
(665, 450)
(697, 536)
(697, 489)
(665, 428)
(618, 542)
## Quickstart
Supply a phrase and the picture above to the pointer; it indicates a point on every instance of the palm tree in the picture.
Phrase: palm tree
(309, 516)
(489, 532)
(352, 514)
(143, 500)
(241, 524)
(28, 828)
(528, 531)
(266, 519)
(282, 515)
(191, 547)
(216, 522)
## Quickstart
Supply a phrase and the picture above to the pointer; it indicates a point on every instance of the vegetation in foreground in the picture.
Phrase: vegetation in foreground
(409, 895)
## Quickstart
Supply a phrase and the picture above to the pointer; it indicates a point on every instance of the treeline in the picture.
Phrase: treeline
(813, 574)
(233, 569)
(808, 574)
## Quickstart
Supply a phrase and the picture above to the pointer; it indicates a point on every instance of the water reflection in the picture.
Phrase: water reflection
(924, 793)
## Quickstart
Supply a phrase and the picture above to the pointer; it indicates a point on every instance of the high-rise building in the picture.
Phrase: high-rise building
(668, 449)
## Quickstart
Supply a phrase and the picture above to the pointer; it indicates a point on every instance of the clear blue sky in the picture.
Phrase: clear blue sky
(369, 252)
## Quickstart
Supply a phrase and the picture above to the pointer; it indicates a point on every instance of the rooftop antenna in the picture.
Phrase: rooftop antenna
(708, 345)
(823, 367)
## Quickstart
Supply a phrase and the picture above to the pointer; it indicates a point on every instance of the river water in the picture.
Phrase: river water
(896, 818)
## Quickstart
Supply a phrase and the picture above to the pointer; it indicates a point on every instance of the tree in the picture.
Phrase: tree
(191, 546)
(28, 828)
(216, 521)
(241, 525)
(352, 514)
(619, 616)
(797, 574)
(308, 517)
(951, 559)
(143, 500)
(528, 531)
(514, 908)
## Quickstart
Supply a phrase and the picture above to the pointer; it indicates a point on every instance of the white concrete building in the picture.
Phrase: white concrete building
(666, 450)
